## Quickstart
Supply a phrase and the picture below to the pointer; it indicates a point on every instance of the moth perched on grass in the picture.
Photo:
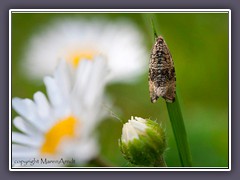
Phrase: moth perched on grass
(162, 78)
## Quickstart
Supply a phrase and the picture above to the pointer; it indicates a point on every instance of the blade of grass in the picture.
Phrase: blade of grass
(154, 29)
(180, 134)
(175, 115)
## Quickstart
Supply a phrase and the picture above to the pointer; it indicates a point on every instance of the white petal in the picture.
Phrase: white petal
(97, 82)
(27, 140)
(86, 151)
(27, 109)
(25, 127)
(128, 132)
(53, 91)
(141, 127)
(80, 150)
(82, 77)
(63, 77)
(43, 107)
(59, 102)
(140, 119)
(23, 152)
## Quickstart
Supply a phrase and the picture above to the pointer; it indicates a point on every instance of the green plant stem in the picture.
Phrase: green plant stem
(175, 114)
(154, 30)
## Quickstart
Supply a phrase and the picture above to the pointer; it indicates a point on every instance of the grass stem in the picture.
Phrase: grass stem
(176, 118)
(180, 134)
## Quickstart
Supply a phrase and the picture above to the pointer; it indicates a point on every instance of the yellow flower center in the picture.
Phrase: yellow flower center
(75, 57)
(65, 128)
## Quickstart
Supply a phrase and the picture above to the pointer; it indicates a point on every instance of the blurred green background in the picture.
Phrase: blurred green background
(199, 45)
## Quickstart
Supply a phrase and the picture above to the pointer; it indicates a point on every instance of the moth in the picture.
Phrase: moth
(162, 77)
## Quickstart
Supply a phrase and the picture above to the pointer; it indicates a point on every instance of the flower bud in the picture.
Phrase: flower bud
(143, 142)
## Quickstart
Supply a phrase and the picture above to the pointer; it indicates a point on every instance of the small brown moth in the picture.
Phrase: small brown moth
(162, 78)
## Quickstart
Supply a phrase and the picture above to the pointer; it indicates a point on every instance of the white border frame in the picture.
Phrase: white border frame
(11, 11)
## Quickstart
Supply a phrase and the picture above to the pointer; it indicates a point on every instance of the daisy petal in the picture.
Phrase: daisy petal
(82, 76)
(27, 140)
(22, 152)
(27, 109)
(53, 91)
(42, 106)
(63, 77)
(26, 128)
(81, 150)
(97, 81)
(90, 147)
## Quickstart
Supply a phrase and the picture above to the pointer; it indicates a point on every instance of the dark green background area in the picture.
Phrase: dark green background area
(199, 46)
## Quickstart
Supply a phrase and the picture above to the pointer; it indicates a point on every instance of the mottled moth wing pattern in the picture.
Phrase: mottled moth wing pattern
(162, 78)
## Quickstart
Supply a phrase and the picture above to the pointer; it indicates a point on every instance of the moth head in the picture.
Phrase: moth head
(159, 39)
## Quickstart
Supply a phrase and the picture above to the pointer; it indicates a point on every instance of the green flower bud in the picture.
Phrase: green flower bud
(143, 142)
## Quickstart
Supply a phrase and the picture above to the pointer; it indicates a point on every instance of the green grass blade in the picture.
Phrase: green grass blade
(176, 118)
(154, 30)
(180, 133)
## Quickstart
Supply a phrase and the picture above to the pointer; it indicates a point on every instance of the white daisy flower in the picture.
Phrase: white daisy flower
(73, 39)
(60, 128)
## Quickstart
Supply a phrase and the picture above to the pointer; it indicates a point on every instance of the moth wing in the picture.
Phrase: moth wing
(153, 92)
